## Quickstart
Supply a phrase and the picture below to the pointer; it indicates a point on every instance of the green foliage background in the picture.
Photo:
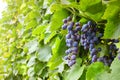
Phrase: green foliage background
(32, 44)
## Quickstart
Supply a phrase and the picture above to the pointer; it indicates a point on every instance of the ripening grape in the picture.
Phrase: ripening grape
(89, 36)
(84, 27)
(72, 39)
(68, 36)
(94, 58)
(89, 39)
(75, 44)
(116, 41)
(69, 18)
(77, 28)
(64, 26)
(69, 27)
(71, 62)
(100, 59)
(99, 49)
(66, 57)
(77, 24)
(65, 20)
(73, 57)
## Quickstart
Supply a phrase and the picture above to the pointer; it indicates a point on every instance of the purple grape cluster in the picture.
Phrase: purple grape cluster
(72, 39)
(89, 39)
(107, 60)
(112, 52)
(89, 36)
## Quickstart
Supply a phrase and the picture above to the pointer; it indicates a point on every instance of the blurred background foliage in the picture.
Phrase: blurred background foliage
(32, 44)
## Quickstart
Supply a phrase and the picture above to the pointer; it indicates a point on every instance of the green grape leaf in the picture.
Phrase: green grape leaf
(85, 4)
(31, 61)
(31, 15)
(92, 9)
(54, 75)
(115, 66)
(44, 73)
(38, 67)
(112, 29)
(56, 20)
(58, 50)
(39, 29)
(44, 53)
(32, 46)
(114, 74)
(65, 2)
(49, 36)
(94, 70)
(31, 24)
(61, 68)
(55, 7)
(31, 72)
(75, 71)
(22, 69)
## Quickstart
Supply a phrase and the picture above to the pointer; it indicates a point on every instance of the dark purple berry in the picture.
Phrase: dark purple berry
(84, 28)
(99, 49)
(94, 58)
(75, 44)
(64, 26)
(89, 23)
(66, 57)
(70, 63)
(65, 20)
(77, 24)
(116, 41)
(68, 36)
(69, 18)
(77, 28)
(73, 57)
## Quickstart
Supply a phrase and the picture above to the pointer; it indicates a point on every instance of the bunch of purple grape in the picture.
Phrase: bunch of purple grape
(89, 39)
(72, 39)
(112, 52)
(89, 36)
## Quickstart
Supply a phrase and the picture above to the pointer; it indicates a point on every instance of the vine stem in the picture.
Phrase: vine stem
(100, 23)
(72, 10)
(81, 14)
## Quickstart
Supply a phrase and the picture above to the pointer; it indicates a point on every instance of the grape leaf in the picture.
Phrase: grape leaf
(39, 29)
(31, 61)
(38, 67)
(31, 71)
(32, 46)
(75, 72)
(58, 50)
(31, 15)
(114, 74)
(115, 66)
(44, 53)
(92, 9)
(57, 18)
(31, 24)
(94, 70)
(49, 36)
(112, 29)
